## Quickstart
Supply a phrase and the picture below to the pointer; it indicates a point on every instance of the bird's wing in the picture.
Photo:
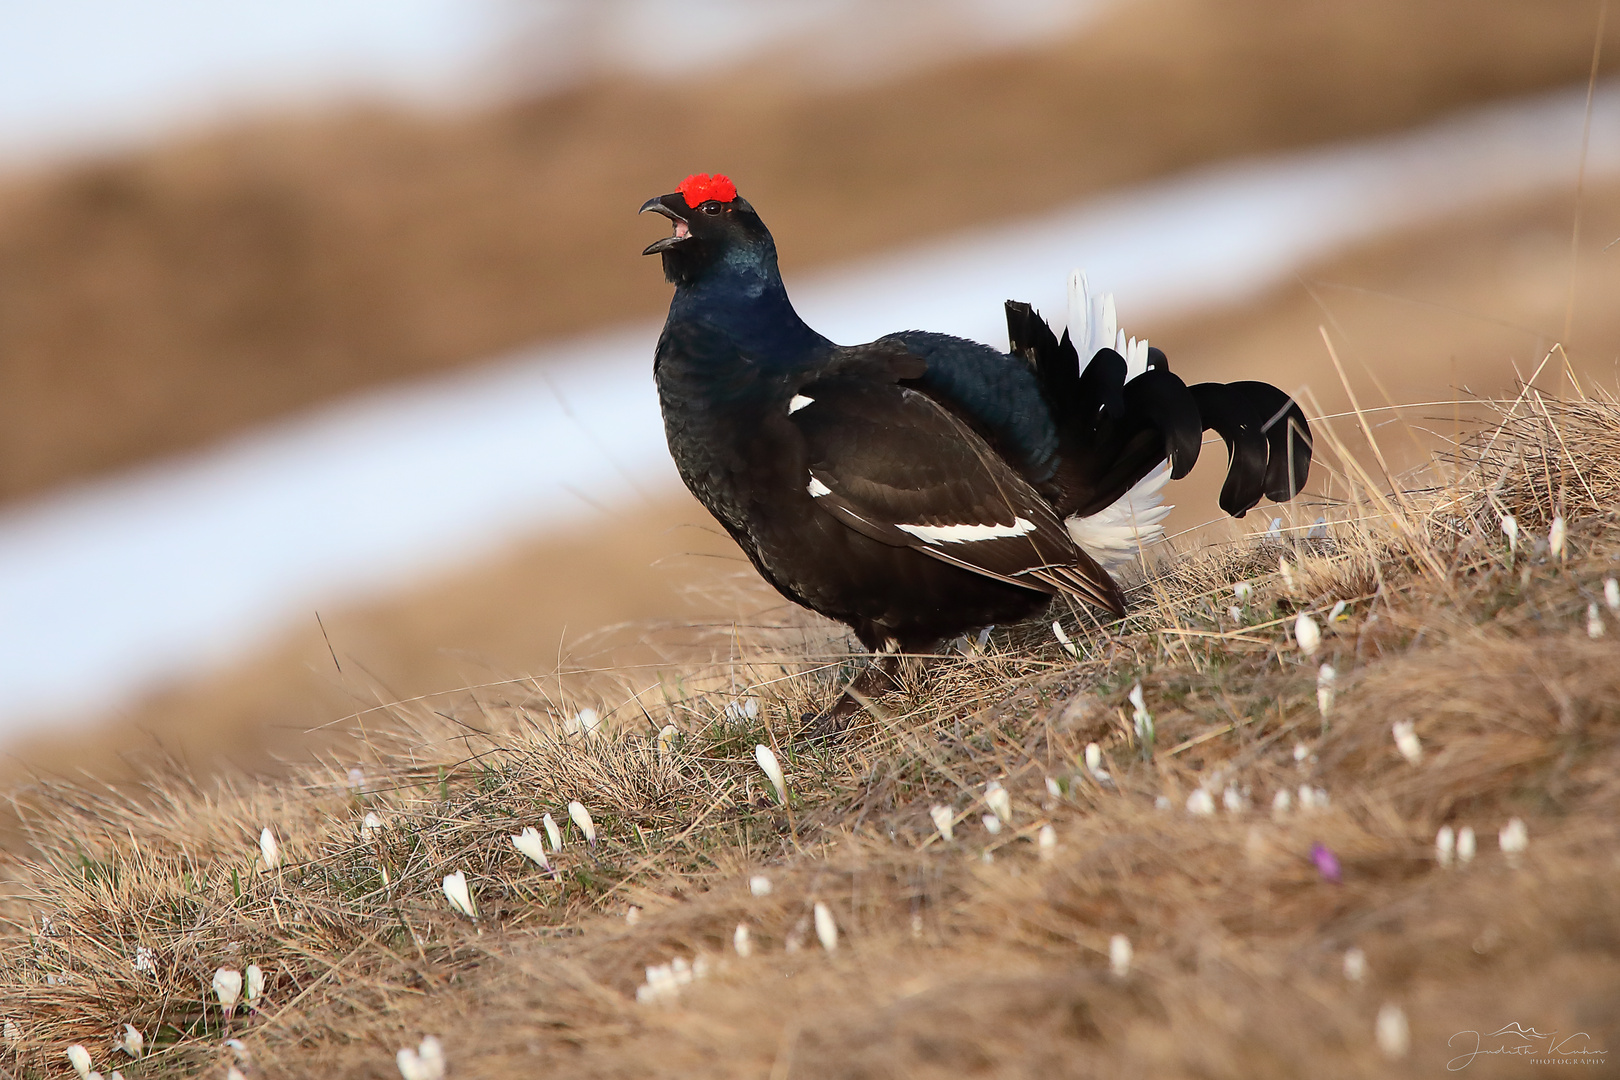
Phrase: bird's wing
(893, 464)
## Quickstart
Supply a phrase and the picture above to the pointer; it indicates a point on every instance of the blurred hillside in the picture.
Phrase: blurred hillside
(154, 301)
(1472, 302)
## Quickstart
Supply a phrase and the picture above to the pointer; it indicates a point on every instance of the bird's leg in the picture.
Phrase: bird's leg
(878, 677)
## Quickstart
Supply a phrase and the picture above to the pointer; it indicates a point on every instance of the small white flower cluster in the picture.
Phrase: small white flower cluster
(1460, 846)
(1000, 806)
(744, 708)
(666, 981)
(530, 843)
(426, 1062)
(1309, 799)
(229, 985)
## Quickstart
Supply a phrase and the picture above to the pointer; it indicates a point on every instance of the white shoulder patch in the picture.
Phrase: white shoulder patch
(817, 489)
(966, 534)
(1116, 534)
(799, 401)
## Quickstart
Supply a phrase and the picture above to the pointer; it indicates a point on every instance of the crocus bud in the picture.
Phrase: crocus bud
(553, 833)
(1510, 527)
(460, 895)
(826, 928)
(133, 1041)
(1594, 622)
(582, 817)
(1307, 634)
(1325, 678)
(529, 843)
(1514, 838)
(1120, 955)
(373, 821)
(666, 739)
(1063, 640)
(254, 985)
(997, 799)
(759, 885)
(1611, 593)
(269, 849)
(80, 1057)
(1046, 843)
(228, 988)
(1445, 845)
(943, 819)
(1393, 1035)
(1200, 803)
(1557, 538)
(742, 941)
(1406, 741)
(1355, 965)
(772, 769)
(1466, 844)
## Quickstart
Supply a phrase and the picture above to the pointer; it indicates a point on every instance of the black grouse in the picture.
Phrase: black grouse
(923, 485)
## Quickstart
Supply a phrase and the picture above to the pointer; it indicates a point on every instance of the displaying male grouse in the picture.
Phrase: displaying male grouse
(923, 485)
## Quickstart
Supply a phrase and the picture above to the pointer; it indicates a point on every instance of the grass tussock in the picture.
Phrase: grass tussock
(988, 953)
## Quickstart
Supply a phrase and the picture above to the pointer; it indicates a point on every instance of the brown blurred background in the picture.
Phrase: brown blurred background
(154, 300)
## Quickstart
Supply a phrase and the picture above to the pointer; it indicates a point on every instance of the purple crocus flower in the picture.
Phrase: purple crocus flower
(1327, 863)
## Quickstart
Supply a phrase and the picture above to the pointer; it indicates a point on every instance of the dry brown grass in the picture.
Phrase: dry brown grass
(968, 957)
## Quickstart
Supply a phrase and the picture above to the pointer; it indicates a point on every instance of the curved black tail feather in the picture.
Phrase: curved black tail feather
(1267, 438)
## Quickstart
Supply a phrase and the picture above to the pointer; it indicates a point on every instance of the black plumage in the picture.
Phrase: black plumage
(920, 485)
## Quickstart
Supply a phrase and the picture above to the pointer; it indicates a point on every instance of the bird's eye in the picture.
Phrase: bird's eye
(710, 207)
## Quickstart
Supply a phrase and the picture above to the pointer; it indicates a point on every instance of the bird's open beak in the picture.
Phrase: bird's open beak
(661, 205)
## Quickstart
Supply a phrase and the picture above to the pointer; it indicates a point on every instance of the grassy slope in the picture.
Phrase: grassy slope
(156, 301)
(969, 956)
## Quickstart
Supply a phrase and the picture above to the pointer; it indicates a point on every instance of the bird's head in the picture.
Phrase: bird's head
(714, 226)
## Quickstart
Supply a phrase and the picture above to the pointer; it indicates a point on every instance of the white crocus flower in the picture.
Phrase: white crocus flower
(1053, 788)
(1337, 614)
(232, 1073)
(742, 941)
(1281, 803)
(1243, 592)
(766, 757)
(133, 1041)
(1510, 527)
(1200, 803)
(1141, 717)
(1466, 844)
(1611, 593)
(1063, 640)
(1234, 800)
(632, 915)
(1393, 1035)
(759, 885)
(826, 928)
(1355, 965)
(1325, 678)
(1307, 634)
(585, 722)
(1406, 740)
(1286, 569)
(1445, 845)
(426, 1062)
(997, 799)
(1557, 538)
(1120, 955)
(1235, 613)
(1514, 838)
(530, 843)
(372, 823)
(992, 824)
(80, 1057)
(582, 817)
(1594, 622)
(457, 891)
(254, 985)
(1094, 763)
(269, 848)
(943, 821)
(228, 988)
(1046, 843)
(553, 833)
(666, 739)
